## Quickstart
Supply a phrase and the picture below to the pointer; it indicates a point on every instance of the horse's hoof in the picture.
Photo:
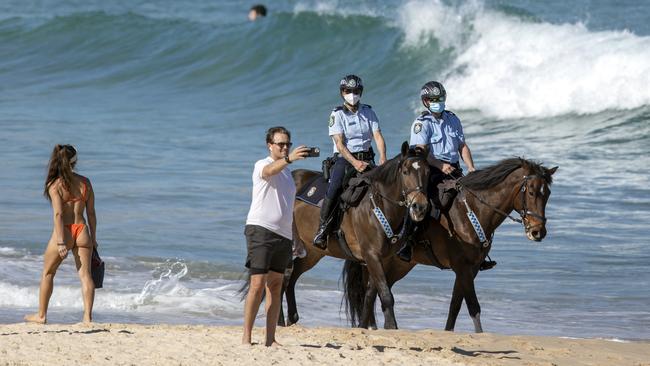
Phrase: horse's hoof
(293, 319)
(390, 326)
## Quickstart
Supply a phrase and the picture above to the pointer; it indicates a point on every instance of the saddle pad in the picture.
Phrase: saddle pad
(313, 192)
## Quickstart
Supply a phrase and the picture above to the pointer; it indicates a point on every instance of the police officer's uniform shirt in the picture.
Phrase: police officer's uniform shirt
(444, 136)
(356, 128)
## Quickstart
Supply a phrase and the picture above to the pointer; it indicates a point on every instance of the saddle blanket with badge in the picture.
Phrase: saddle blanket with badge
(313, 192)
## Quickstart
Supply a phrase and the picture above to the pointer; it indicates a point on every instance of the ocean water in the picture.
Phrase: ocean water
(167, 103)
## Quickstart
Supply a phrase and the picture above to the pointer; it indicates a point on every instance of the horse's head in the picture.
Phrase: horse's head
(414, 176)
(534, 193)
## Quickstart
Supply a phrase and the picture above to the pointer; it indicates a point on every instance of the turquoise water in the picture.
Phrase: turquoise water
(167, 103)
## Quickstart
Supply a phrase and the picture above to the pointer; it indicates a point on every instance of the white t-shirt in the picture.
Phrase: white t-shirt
(273, 198)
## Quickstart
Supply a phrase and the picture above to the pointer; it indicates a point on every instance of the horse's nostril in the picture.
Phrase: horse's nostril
(535, 234)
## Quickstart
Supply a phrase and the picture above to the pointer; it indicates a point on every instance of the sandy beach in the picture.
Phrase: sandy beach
(132, 344)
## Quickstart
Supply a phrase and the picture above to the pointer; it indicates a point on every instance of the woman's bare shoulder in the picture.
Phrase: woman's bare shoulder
(82, 178)
(55, 185)
(55, 188)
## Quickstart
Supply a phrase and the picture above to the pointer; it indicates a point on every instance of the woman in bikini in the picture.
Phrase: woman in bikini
(70, 194)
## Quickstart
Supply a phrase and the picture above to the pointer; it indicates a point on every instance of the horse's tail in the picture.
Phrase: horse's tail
(354, 291)
(243, 290)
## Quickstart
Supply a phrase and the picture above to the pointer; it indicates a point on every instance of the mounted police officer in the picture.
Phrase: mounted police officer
(352, 127)
(443, 132)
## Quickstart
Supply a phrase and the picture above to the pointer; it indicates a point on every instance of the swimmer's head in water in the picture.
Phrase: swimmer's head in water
(256, 11)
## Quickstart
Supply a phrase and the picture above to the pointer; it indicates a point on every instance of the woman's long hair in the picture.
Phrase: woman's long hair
(60, 166)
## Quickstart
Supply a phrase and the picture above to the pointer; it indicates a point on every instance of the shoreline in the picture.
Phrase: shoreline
(126, 344)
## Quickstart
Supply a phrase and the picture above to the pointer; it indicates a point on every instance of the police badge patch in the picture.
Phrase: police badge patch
(331, 123)
(417, 127)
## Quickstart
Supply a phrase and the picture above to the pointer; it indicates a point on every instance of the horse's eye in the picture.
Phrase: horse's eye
(404, 172)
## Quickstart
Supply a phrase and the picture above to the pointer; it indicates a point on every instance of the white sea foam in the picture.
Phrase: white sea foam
(8, 251)
(510, 68)
(424, 21)
(334, 7)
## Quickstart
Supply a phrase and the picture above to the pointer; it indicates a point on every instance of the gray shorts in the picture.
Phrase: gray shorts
(267, 251)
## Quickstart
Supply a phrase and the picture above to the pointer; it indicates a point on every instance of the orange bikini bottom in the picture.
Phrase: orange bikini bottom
(76, 230)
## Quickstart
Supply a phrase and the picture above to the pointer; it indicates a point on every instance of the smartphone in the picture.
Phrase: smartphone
(313, 152)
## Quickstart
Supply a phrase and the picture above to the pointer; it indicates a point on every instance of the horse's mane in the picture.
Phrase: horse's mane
(495, 174)
(387, 172)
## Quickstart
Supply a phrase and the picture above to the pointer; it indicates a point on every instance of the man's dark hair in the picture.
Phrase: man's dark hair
(273, 130)
(259, 9)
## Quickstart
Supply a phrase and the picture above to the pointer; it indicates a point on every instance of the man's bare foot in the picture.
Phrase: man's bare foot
(35, 318)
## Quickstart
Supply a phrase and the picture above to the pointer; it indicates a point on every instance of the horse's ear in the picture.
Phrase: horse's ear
(405, 148)
(552, 170)
(426, 150)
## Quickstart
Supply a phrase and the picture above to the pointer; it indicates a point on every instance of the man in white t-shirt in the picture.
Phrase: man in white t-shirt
(268, 230)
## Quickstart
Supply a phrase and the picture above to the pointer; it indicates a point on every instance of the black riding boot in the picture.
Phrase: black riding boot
(406, 251)
(320, 240)
(488, 263)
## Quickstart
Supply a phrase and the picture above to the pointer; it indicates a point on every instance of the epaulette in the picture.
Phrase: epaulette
(367, 105)
(450, 112)
(337, 108)
(423, 115)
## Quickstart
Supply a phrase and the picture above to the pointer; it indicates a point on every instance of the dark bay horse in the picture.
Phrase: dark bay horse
(492, 194)
(398, 187)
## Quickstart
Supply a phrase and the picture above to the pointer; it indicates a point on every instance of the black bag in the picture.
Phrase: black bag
(355, 191)
(97, 269)
(327, 167)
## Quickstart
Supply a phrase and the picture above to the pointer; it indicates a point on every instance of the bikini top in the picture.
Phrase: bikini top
(83, 195)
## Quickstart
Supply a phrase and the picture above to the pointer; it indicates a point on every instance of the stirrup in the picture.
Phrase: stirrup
(405, 253)
(322, 235)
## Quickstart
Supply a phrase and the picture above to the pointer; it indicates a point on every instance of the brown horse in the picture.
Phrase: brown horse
(398, 188)
(513, 184)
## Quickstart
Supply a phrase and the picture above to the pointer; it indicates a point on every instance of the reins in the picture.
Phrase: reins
(523, 213)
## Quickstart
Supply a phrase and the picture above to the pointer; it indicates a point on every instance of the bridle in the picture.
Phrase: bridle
(405, 202)
(524, 213)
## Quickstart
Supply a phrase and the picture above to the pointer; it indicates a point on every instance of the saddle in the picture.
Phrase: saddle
(446, 193)
(354, 189)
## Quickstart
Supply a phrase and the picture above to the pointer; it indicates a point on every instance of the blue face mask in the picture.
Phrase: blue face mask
(437, 107)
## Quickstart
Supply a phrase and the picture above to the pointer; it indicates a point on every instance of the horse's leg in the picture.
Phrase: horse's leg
(396, 269)
(464, 289)
(367, 317)
(300, 266)
(471, 300)
(454, 306)
(285, 283)
(378, 279)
